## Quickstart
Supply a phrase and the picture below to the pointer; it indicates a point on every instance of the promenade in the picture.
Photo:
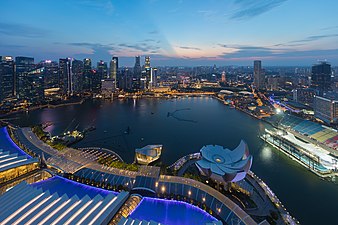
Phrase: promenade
(71, 160)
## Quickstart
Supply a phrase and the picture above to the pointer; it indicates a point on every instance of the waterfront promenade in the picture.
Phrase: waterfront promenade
(79, 161)
(240, 213)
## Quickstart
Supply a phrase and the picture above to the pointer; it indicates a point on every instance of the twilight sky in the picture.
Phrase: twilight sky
(173, 32)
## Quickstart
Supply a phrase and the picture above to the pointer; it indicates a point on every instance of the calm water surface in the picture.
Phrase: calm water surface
(195, 122)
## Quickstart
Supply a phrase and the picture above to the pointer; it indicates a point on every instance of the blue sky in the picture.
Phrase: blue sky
(173, 32)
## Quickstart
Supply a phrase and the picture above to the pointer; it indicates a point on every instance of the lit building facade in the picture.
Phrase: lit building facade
(102, 70)
(114, 66)
(22, 66)
(65, 76)
(76, 84)
(87, 75)
(304, 96)
(321, 77)
(148, 154)
(50, 73)
(7, 77)
(259, 76)
(326, 109)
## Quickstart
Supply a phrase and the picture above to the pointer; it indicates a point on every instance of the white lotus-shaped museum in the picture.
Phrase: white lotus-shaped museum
(224, 165)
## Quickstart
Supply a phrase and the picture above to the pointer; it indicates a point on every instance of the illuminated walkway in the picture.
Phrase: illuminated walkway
(223, 206)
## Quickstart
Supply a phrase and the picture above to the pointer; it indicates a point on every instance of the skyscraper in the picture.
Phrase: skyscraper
(76, 84)
(50, 73)
(65, 76)
(259, 77)
(7, 77)
(137, 73)
(321, 77)
(153, 79)
(101, 74)
(87, 75)
(147, 62)
(22, 66)
(102, 70)
(34, 90)
(114, 66)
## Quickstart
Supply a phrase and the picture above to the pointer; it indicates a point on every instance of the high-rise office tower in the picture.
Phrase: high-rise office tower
(22, 66)
(153, 76)
(137, 67)
(87, 75)
(321, 77)
(102, 70)
(147, 62)
(7, 77)
(50, 73)
(65, 76)
(101, 74)
(114, 66)
(34, 90)
(76, 85)
(137, 73)
(259, 76)
(125, 81)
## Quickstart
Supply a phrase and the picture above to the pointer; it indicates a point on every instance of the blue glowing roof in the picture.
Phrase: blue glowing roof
(64, 186)
(7, 144)
(170, 212)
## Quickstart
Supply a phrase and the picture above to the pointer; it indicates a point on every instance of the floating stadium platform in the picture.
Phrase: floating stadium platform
(312, 131)
(311, 156)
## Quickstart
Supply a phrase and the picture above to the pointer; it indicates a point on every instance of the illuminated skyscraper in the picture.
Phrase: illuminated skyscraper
(102, 70)
(321, 77)
(153, 75)
(101, 74)
(65, 75)
(50, 73)
(114, 66)
(137, 73)
(259, 77)
(147, 62)
(34, 89)
(76, 85)
(7, 77)
(87, 75)
(22, 66)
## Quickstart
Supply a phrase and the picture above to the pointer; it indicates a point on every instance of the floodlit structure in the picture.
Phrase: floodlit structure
(47, 203)
(148, 154)
(224, 165)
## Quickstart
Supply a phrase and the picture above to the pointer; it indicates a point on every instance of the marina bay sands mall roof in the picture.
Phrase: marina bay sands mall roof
(223, 164)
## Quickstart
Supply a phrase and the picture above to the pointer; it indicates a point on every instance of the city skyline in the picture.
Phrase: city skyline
(279, 32)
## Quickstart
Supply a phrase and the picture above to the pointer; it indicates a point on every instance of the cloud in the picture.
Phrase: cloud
(21, 30)
(153, 32)
(247, 53)
(207, 14)
(314, 38)
(143, 46)
(104, 5)
(247, 9)
(97, 50)
(189, 48)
